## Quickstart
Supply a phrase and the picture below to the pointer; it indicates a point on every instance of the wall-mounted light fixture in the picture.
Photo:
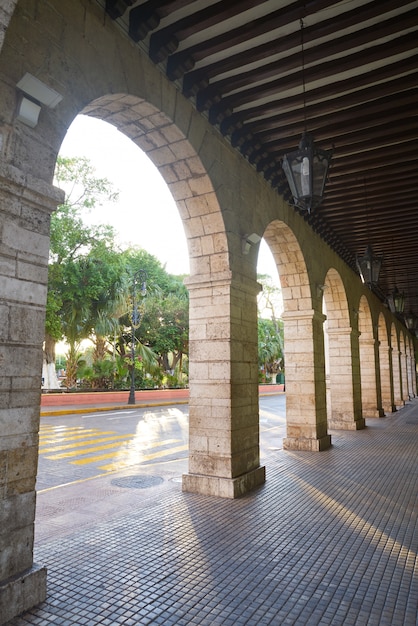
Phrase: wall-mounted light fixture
(34, 93)
(248, 241)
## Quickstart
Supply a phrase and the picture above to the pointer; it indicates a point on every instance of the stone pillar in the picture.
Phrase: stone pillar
(396, 379)
(409, 374)
(346, 413)
(305, 381)
(370, 401)
(404, 374)
(25, 208)
(385, 385)
(224, 455)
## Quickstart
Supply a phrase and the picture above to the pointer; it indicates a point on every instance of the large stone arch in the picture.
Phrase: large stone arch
(369, 380)
(181, 168)
(384, 366)
(344, 410)
(304, 346)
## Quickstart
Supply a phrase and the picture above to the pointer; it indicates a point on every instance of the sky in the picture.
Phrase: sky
(145, 213)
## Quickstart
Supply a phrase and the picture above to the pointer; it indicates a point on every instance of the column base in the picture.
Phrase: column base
(224, 487)
(22, 592)
(374, 413)
(345, 425)
(311, 445)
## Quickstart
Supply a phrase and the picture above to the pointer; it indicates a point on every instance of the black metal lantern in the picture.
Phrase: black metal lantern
(306, 171)
(369, 266)
(396, 301)
(411, 321)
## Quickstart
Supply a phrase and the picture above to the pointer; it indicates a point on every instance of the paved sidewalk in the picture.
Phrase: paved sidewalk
(330, 539)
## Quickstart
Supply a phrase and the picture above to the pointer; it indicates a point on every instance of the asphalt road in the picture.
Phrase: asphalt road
(79, 447)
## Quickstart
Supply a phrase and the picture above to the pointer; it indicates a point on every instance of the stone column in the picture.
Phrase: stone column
(305, 381)
(346, 410)
(385, 384)
(370, 397)
(224, 455)
(25, 208)
(396, 378)
(404, 374)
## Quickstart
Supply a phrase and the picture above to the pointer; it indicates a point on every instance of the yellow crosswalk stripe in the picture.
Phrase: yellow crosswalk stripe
(68, 455)
(86, 433)
(59, 429)
(80, 444)
(103, 457)
(142, 458)
(89, 433)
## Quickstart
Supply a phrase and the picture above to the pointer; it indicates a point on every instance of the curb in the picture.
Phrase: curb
(98, 409)
(145, 405)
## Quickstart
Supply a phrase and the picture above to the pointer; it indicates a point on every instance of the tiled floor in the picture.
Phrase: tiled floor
(331, 538)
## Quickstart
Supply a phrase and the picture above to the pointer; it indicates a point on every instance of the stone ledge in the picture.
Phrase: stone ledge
(224, 487)
(22, 592)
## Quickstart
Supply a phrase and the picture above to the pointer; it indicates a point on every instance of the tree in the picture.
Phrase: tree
(270, 329)
(72, 241)
(164, 325)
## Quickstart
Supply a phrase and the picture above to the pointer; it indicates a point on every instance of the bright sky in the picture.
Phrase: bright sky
(145, 213)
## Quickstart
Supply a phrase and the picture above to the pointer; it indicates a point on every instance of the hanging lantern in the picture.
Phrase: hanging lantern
(396, 301)
(411, 321)
(306, 171)
(369, 267)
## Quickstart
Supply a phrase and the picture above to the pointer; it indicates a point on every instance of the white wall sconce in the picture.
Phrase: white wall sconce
(34, 94)
(248, 241)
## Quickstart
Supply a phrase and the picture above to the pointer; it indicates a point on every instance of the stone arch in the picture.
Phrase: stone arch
(384, 366)
(181, 168)
(395, 366)
(344, 400)
(303, 342)
(368, 370)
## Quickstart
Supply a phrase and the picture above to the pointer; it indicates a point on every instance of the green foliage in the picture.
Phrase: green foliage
(90, 294)
(270, 331)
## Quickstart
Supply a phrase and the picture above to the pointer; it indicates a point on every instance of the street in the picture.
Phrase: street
(94, 467)
(79, 447)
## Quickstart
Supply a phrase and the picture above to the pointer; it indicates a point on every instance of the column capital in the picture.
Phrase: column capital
(33, 190)
(307, 314)
(221, 280)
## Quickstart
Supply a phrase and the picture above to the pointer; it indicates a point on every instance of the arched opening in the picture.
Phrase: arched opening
(384, 366)
(370, 403)
(306, 422)
(343, 399)
(217, 365)
(182, 170)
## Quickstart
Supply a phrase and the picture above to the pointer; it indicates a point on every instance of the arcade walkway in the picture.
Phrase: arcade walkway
(331, 538)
